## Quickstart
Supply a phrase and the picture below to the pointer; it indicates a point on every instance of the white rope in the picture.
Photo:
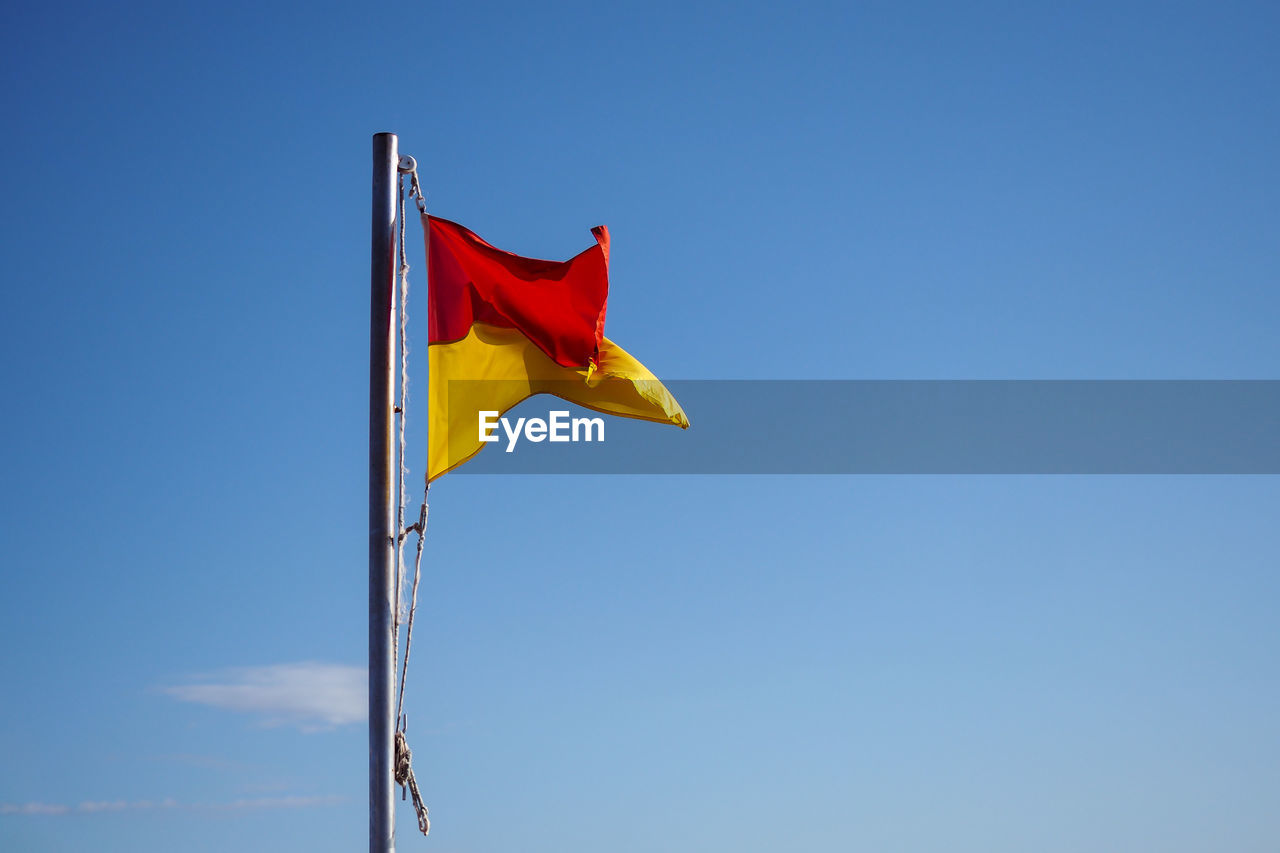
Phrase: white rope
(401, 410)
(404, 769)
(421, 528)
(415, 190)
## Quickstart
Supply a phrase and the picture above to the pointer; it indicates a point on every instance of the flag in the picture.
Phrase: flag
(524, 327)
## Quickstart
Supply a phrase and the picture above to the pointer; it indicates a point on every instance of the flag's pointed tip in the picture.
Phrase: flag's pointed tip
(601, 233)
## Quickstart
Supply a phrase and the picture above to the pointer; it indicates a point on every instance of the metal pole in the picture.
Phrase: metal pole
(382, 827)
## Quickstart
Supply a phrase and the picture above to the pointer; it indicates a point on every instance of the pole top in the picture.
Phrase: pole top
(408, 164)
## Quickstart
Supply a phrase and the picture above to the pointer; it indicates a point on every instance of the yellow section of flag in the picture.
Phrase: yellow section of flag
(502, 367)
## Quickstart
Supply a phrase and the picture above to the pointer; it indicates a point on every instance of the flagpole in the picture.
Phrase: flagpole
(382, 833)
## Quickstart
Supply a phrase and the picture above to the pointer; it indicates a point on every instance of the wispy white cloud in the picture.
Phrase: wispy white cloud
(312, 696)
(105, 806)
(202, 762)
(33, 808)
(276, 803)
(92, 806)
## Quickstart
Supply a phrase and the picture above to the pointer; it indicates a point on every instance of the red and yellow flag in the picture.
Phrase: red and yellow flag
(526, 327)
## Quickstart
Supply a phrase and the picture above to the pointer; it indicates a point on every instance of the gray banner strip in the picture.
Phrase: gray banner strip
(924, 427)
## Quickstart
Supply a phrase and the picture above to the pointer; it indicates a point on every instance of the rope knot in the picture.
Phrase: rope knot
(404, 778)
(404, 757)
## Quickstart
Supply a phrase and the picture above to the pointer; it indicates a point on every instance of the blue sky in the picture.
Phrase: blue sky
(879, 190)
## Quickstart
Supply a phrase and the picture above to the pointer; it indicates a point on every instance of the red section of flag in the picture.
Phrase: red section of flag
(559, 305)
